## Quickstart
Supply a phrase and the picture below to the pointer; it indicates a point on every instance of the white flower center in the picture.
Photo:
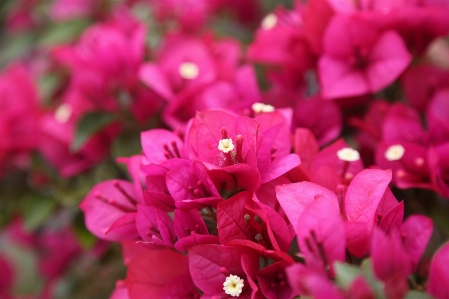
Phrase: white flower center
(269, 21)
(225, 145)
(188, 70)
(63, 113)
(394, 152)
(348, 154)
(260, 107)
(233, 285)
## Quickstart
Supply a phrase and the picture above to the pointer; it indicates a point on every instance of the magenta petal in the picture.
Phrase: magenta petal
(294, 198)
(124, 228)
(309, 282)
(390, 263)
(357, 238)
(439, 274)
(280, 166)
(231, 218)
(186, 243)
(339, 79)
(187, 222)
(415, 233)
(153, 142)
(321, 234)
(104, 204)
(389, 58)
(148, 275)
(392, 221)
(153, 78)
(273, 281)
(364, 195)
(120, 291)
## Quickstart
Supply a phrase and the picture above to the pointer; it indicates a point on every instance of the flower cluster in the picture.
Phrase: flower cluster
(229, 148)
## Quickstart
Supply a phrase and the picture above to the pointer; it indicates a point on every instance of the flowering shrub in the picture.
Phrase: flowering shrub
(224, 149)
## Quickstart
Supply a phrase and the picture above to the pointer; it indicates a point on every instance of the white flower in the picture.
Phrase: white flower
(394, 152)
(233, 285)
(269, 21)
(225, 145)
(260, 107)
(188, 70)
(63, 113)
(348, 154)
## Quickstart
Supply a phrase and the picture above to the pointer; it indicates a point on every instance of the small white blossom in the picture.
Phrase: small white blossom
(394, 152)
(348, 154)
(260, 107)
(269, 21)
(225, 145)
(188, 70)
(233, 285)
(63, 113)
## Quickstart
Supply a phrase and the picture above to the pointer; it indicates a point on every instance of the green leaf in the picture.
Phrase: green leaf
(37, 209)
(376, 285)
(84, 237)
(89, 125)
(61, 33)
(418, 295)
(346, 274)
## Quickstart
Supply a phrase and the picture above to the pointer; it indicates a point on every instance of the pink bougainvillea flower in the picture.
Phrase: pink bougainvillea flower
(220, 271)
(160, 274)
(364, 62)
(58, 133)
(236, 94)
(110, 210)
(240, 147)
(408, 161)
(336, 164)
(281, 41)
(358, 205)
(438, 273)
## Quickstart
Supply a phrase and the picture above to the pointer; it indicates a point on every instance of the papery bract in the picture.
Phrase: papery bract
(438, 273)
(160, 274)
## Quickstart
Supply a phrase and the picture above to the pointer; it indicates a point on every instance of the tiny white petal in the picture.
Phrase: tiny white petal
(189, 70)
(269, 21)
(260, 107)
(394, 152)
(233, 285)
(63, 113)
(348, 154)
(225, 145)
